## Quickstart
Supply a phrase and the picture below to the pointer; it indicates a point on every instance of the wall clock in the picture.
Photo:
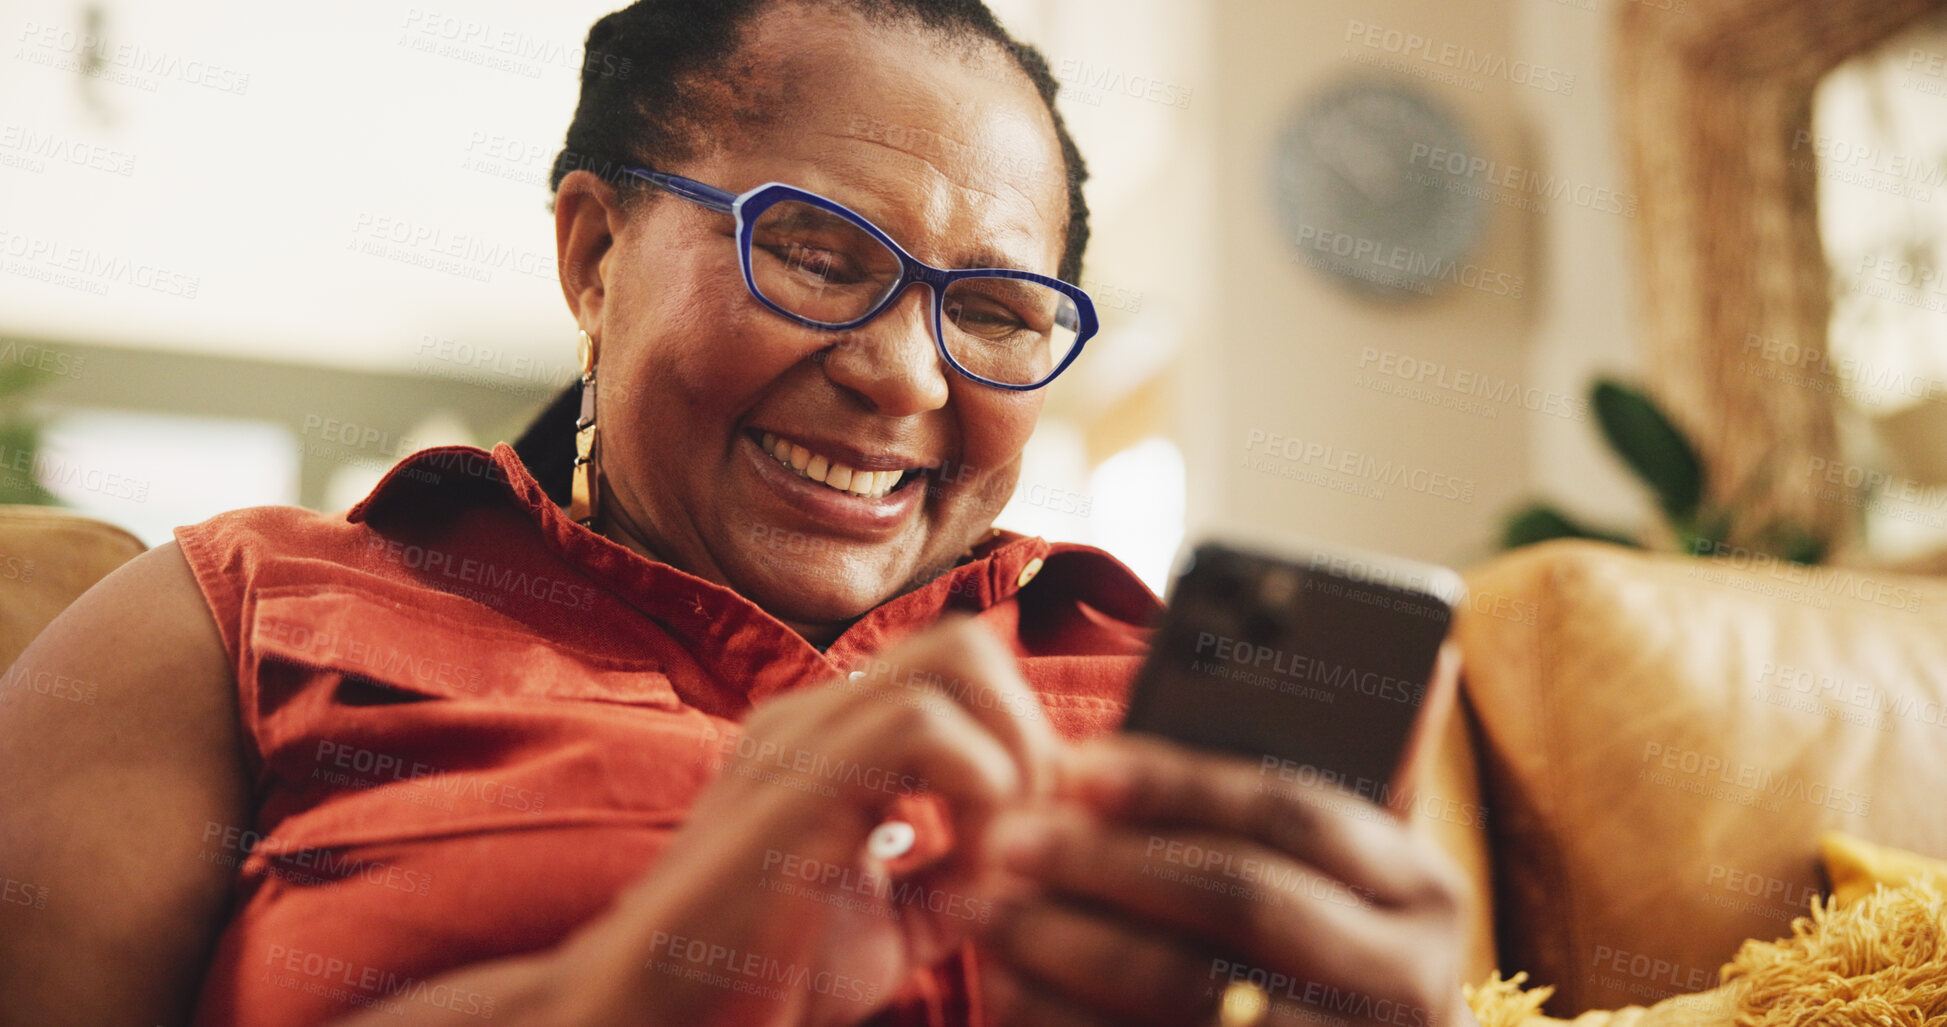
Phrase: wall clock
(1366, 193)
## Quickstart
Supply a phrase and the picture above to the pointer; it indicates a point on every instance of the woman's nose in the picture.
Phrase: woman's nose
(891, 362)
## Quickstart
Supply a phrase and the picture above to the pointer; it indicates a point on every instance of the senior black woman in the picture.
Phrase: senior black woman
(770, 726)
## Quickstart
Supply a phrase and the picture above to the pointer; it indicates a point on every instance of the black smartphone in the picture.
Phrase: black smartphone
(1316, 661)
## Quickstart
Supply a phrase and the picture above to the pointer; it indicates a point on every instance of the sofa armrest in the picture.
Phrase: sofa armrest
(47, 559)
(1664, 739)
(1448, 809)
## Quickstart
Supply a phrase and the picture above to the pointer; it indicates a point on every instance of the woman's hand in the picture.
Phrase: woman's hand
(1161, 874)
(767, 907)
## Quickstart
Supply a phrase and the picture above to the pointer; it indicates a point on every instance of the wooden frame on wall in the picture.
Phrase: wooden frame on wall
(1713, 96)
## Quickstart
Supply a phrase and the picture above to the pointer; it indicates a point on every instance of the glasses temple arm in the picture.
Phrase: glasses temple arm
(688, 188)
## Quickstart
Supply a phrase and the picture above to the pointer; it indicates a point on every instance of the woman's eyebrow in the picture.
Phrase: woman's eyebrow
(983, 257)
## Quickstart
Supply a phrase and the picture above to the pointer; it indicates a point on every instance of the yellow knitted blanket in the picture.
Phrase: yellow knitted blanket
(1878, 960)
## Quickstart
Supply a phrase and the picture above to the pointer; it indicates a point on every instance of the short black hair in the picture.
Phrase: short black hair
(644, 102)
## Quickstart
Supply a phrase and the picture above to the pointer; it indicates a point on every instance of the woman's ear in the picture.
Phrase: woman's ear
(587, 214)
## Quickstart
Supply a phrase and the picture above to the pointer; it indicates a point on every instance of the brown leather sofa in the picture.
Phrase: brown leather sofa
(47, 559)
(1657, 742)
(1647, 749)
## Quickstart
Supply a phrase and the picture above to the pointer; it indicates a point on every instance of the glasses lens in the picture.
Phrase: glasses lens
(818, 265)
(1009, 330)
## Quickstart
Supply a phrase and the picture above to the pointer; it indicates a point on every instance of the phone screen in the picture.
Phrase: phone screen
(1315, 661)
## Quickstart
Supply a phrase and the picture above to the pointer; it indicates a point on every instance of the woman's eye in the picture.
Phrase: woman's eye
(996, 317)
(984, 318)
(824, 265)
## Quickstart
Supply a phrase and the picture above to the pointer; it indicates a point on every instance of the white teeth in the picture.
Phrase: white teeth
(843, 477)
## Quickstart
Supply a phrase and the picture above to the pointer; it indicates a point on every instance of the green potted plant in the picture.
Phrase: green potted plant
(1663, 459)
(20, 437)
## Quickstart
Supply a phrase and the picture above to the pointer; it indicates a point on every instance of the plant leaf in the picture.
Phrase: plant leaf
(1652, 447)
(20, 378)
(1542, 522)
(1707, 536)
(19, 487)
(1797, 545)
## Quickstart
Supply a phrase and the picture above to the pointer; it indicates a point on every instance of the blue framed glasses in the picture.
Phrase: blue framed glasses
(821, 264)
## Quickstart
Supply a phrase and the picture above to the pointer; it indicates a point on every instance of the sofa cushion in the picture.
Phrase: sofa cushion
(1856, 867)
(47, 559)
(1664, 739)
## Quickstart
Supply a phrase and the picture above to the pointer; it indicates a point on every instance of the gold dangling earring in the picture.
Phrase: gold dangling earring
(586, 499)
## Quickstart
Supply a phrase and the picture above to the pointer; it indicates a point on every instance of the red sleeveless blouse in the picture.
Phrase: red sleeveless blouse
(471, 722)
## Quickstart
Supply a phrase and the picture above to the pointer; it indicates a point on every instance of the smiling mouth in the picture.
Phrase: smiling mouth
(835, 475)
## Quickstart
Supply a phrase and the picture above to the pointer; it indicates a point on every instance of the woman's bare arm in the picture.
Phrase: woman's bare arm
(120, 774)
(123, 806)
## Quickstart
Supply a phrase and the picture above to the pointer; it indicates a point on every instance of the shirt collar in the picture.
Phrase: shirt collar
(737, 635)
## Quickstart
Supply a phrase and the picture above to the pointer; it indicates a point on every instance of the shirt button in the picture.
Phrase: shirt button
(1027, 573)
(891, 840)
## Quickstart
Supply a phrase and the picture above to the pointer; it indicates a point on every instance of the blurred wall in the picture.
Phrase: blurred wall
(1295, 356)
